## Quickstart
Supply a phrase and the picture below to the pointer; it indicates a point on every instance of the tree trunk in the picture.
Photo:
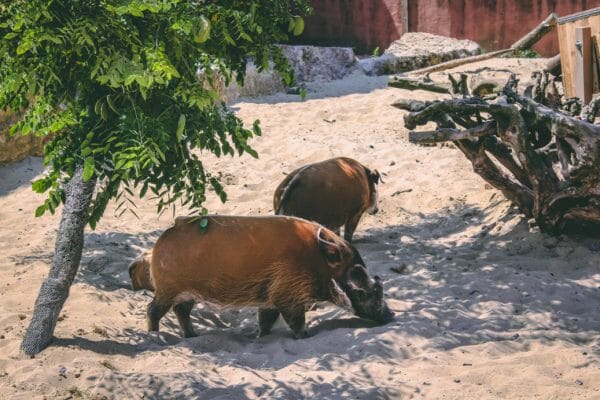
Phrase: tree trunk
(69, 245)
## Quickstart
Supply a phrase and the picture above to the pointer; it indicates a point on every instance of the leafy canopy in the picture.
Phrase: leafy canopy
(116, 85)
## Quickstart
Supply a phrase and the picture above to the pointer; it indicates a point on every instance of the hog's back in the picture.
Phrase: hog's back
(237, 260)
(329, 192)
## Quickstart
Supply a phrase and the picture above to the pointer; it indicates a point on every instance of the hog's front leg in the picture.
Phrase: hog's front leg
(293, 315)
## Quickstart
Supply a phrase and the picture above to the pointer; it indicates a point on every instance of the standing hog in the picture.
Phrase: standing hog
(281, 264)
(335, 193)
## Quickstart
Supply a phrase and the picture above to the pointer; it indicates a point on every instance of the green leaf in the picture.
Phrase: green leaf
(41, 185)
(298, 25)
(109, 78)
(40, 210)
(111, 104)
(180, 127)
(202, 30)
(88, 168)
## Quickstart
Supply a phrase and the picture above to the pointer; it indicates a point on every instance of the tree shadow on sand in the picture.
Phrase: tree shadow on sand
(453, 278)
(496, 285)
(322, 90)
(19, 174)
(107, 255)
(206, 384)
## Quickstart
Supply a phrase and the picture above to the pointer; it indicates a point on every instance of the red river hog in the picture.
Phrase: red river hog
(280, 264)
(334, 193)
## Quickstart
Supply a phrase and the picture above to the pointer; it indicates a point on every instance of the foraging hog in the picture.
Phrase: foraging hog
(280, 264)
(139, 272)
(335, 193)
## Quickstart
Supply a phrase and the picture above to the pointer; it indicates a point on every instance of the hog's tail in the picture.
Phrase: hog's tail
(292, 183)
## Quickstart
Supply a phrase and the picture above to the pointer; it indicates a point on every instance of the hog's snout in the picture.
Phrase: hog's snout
(387, 315)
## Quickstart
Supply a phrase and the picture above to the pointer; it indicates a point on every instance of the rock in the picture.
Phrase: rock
(315, 63)
(550, 242)
(310, 63)
(255, 84)
(399, 269)
(416, 50)
(382, 65)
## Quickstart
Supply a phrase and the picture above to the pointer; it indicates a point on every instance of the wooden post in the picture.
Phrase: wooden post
(404, 16)
(583, 64)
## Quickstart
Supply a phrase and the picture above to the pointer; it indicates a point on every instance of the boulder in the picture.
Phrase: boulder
(416, 50)
(314, 63)
(310, 63)
(255, 84)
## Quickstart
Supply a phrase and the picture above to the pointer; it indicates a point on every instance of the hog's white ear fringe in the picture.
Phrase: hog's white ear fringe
(320, 239)
(339, 297)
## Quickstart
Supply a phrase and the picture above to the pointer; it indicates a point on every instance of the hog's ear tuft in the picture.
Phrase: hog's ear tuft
(329, 248)
(338, 296)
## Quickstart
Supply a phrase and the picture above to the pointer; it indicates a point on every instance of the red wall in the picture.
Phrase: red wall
(494, 24)
(361, 23)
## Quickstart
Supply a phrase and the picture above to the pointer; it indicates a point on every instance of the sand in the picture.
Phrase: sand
(486, 307)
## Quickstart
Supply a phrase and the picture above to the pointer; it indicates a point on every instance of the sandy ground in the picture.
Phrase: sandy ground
(485, 307)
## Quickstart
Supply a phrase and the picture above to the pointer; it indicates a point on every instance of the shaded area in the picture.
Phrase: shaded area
(487, 289)
(466, 281)
(356, 83)
(19, 174)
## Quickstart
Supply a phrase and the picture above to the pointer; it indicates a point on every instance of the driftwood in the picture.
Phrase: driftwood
(553, 65)
(523, 43)
(545, 161)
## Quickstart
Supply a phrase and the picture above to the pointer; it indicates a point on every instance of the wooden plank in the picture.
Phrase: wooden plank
(583, 64)
(595, 65)
(566, 39)
(566, 58)
(578, 16)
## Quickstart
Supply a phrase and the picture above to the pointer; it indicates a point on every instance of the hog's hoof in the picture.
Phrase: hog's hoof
(263, 332)
(303, 334)
(190, 335)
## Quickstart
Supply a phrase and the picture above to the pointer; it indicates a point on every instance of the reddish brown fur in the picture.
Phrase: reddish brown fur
(274, 262)
(335, 193)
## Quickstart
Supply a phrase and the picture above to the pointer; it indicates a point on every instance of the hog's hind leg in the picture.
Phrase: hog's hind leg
(266, 320)
(156, 310)
(183, 311)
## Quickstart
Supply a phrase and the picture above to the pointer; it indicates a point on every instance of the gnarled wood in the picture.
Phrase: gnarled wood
(543, 160)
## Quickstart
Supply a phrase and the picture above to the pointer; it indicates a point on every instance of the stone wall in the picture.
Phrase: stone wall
(17, 147)
(494, 24)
